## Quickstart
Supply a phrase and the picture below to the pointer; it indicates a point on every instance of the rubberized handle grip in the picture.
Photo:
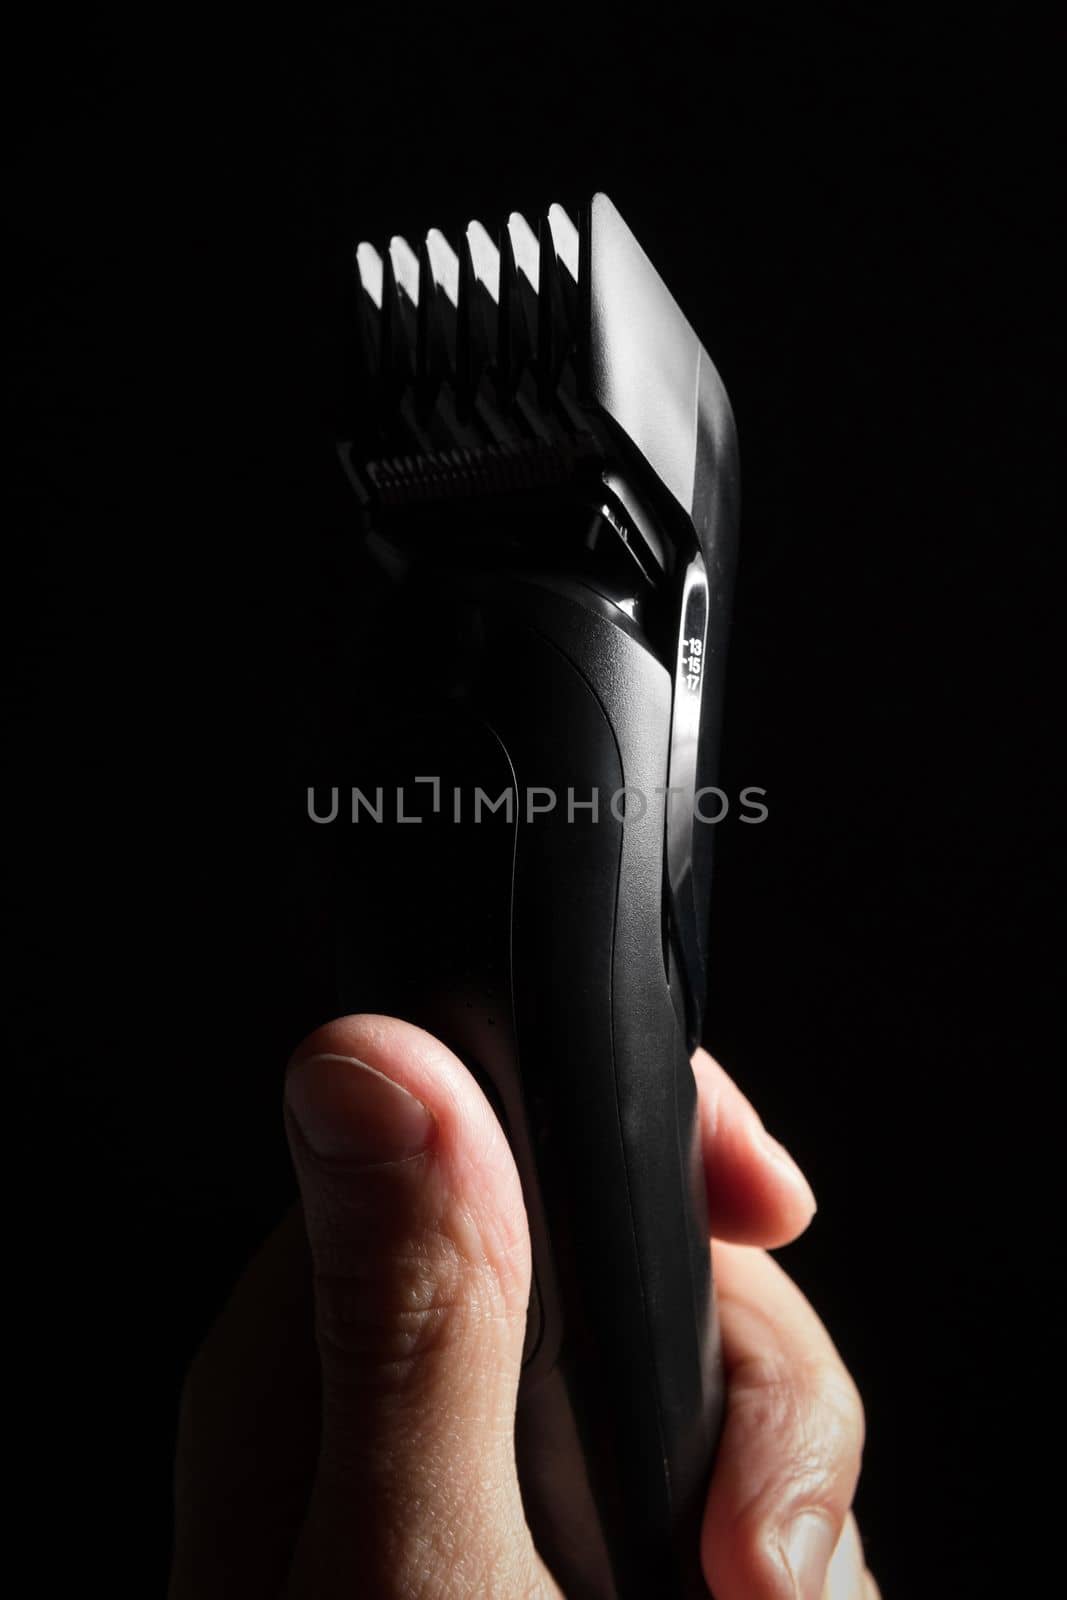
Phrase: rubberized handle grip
(540, 954)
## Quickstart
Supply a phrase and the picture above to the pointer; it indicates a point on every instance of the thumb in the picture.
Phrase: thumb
(422, 1269)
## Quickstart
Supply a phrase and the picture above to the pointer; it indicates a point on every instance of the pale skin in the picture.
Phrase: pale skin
(347, 1428)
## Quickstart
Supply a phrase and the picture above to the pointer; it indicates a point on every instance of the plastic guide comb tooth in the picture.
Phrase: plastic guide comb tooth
(370, 272)
(438, 307)
(402, 292)
(565, 248)
(555, 335)
(560, 312)
(520, 273)
(479, 298)
(485, 261)
(402, 288)
(480, 337)
(442, 408)
(526, 256)
(565, 238)
(509, 326)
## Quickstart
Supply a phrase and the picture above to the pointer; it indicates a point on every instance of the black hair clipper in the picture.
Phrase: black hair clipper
(545, 461)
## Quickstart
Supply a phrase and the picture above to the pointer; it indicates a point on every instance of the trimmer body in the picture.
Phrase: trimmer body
(545, 461)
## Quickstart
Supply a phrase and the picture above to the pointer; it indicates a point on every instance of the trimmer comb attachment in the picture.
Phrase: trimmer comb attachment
(534, 359)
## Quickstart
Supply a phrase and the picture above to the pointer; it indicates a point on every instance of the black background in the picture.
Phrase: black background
(857, 211)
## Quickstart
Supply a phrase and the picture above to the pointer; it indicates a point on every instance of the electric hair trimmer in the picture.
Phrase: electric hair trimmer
(545, 462)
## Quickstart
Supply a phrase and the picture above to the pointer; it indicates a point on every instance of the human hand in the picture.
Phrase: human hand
(377, 1459)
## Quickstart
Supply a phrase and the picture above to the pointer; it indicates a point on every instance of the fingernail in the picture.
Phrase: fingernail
(350, 1112)
(784, 1161)
(807, 1543)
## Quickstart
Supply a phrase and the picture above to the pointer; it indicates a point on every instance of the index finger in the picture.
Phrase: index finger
(756, 1192)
